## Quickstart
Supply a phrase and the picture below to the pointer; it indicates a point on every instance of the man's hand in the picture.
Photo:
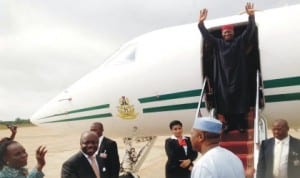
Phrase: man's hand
(40, 157)
(250, 8)
(185, 163)
(203, 15)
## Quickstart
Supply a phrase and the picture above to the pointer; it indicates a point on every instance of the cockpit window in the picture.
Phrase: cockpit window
(125, 55)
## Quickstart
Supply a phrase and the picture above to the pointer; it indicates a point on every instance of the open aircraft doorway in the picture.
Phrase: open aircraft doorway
(242, 144)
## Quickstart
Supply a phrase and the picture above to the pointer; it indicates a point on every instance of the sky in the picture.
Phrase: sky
(45, 46)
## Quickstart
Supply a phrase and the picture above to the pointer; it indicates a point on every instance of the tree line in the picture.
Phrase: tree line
(18, 121)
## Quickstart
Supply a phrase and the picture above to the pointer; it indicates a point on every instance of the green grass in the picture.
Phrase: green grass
(19, 124)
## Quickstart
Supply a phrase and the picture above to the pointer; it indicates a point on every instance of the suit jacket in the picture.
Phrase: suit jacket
(266, 158)
(108, 153)
(175, 152)
(79, 167)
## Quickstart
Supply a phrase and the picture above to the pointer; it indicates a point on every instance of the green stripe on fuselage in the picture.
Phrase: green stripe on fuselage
(177, 95)
(274, 83)
(282, 97)
(283, 82)
(83, 118)
(79, 110)
(269, 99)
(172, 107)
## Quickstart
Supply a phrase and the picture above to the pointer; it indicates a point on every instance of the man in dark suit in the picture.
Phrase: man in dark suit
(85, 163)
(107, 151)
(279, 157)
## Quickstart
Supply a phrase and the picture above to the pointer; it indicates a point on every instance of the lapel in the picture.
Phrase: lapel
(290, 156)
(293, 152)
(179, 148)
(270, 151)
(290, 149)
(100, 164)
(85, 164)
(103, 145)
(189, 145)
(102, 168)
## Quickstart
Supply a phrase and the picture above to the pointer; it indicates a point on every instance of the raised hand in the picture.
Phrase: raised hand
(13, 130)
(203, 15)
(250, 8)
(40, 157)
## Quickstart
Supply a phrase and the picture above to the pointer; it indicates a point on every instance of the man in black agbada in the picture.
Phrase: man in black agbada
(230, 75)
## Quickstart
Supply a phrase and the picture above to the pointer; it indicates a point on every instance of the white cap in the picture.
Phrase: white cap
(208, 124)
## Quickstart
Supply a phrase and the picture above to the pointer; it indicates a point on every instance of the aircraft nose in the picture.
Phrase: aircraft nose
(34, 119)
(40, 115)
(55, 106)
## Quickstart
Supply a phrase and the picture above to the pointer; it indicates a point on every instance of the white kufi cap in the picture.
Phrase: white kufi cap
(208, 124)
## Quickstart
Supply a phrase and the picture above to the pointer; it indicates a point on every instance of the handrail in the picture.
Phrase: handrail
(262, 132)
(263, 124)
(256, 118)
(198, 112)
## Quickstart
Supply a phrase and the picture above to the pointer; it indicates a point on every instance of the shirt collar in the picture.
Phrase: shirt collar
(87, 156)
(173, 137)
(286, 140)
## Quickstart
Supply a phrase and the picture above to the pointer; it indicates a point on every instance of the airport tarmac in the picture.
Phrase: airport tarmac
(62, 145)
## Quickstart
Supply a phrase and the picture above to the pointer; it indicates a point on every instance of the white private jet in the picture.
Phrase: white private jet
(159, 77)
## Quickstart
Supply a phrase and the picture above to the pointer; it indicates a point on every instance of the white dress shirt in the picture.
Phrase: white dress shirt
(281, 156)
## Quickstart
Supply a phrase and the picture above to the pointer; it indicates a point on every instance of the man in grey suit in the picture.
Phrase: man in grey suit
(85, 163)
(279, 157)
(107, 152)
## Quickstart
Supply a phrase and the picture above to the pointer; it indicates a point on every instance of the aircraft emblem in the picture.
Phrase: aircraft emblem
(125, 110)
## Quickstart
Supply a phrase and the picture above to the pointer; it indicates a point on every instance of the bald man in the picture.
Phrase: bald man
(279, 157)
(85, 163)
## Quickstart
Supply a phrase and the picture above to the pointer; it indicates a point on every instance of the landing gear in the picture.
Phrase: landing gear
(134, 157)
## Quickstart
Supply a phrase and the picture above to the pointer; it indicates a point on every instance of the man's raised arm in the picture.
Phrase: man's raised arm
(205, 34)
(250, 30)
